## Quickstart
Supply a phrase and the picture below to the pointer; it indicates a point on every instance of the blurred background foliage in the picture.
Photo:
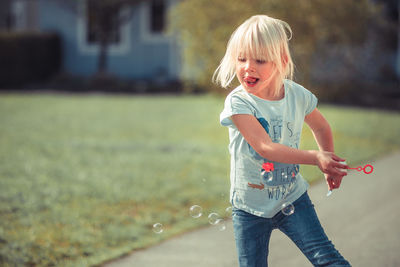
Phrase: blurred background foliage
(318, 26)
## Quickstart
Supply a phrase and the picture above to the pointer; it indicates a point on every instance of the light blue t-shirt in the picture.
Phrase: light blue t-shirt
(264, 195)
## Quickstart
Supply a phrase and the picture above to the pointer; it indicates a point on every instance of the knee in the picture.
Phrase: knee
(328, 257)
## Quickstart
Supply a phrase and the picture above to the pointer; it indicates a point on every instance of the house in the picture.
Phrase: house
(140, 48)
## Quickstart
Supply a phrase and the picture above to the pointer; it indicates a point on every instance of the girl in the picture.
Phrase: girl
(265, 115)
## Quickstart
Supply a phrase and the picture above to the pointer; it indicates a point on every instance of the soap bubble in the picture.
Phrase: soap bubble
(287, 208)
(228, 211)
(213, 218)
(220, 224)
(195, 211)
(158, 228)
(267, 177)
(204, 180)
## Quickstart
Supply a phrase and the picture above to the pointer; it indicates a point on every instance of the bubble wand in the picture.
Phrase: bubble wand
(359, 168)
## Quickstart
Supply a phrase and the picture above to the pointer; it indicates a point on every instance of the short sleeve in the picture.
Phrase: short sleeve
(311, 102)
(234, 105)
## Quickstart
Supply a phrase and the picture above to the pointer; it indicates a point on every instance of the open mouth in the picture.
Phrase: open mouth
(250, 81)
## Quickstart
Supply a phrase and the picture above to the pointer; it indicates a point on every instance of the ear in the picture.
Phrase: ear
(285, 59)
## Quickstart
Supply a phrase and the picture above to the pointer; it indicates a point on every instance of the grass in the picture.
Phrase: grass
(84, 178)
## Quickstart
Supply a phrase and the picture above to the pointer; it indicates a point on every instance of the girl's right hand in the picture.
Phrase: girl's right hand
(332, 181)
(329, 163)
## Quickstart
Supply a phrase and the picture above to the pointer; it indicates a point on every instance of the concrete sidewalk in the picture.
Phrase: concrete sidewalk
(361, 218)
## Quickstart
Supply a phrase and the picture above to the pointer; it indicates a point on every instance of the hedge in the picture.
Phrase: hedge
(28, 57)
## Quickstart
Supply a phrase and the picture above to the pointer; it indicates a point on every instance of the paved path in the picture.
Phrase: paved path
(361, 218)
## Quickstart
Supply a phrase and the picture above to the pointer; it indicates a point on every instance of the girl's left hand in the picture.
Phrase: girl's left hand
(333, 181)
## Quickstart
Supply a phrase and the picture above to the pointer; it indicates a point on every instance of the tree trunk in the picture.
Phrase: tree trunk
(102, 58)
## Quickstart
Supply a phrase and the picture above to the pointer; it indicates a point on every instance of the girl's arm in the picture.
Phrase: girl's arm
(323, 136)
(260, 141)
(321, 130)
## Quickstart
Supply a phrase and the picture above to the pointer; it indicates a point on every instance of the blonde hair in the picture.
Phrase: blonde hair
(260, 37)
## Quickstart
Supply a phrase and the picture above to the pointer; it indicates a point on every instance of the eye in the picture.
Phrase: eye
(260, 61)
(241, 59)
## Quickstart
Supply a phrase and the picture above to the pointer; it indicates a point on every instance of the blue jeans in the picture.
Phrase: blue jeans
(252, 235)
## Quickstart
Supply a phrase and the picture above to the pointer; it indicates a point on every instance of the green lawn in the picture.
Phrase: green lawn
(84, 178)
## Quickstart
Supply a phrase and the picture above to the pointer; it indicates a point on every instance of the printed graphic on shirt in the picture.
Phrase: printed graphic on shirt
(264, 124)
(279, 181)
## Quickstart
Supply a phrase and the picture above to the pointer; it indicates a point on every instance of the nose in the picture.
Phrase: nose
(248, 66)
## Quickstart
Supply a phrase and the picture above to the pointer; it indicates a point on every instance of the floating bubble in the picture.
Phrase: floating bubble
(213, 218)
(267, 176)
(204, 180)
(228, 211)
(195, 211)
(220, 224)
(287, 208)
(158, 228)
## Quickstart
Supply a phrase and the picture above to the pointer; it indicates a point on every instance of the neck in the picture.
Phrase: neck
(271, 93)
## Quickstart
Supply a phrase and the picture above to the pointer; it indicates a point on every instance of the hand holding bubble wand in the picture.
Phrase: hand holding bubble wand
(367, 169)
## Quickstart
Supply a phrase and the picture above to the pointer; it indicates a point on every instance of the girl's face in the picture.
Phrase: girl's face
(256, 75)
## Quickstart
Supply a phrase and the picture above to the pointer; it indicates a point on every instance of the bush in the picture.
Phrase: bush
(205, 33)
(28, 57)
(363, 94)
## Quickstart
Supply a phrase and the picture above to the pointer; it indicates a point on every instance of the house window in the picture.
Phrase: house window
(157, 16)
(154, 20)
(101, 20)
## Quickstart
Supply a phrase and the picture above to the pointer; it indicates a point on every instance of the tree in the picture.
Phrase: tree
(105, 17)
(108, 15)
(204, 29)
